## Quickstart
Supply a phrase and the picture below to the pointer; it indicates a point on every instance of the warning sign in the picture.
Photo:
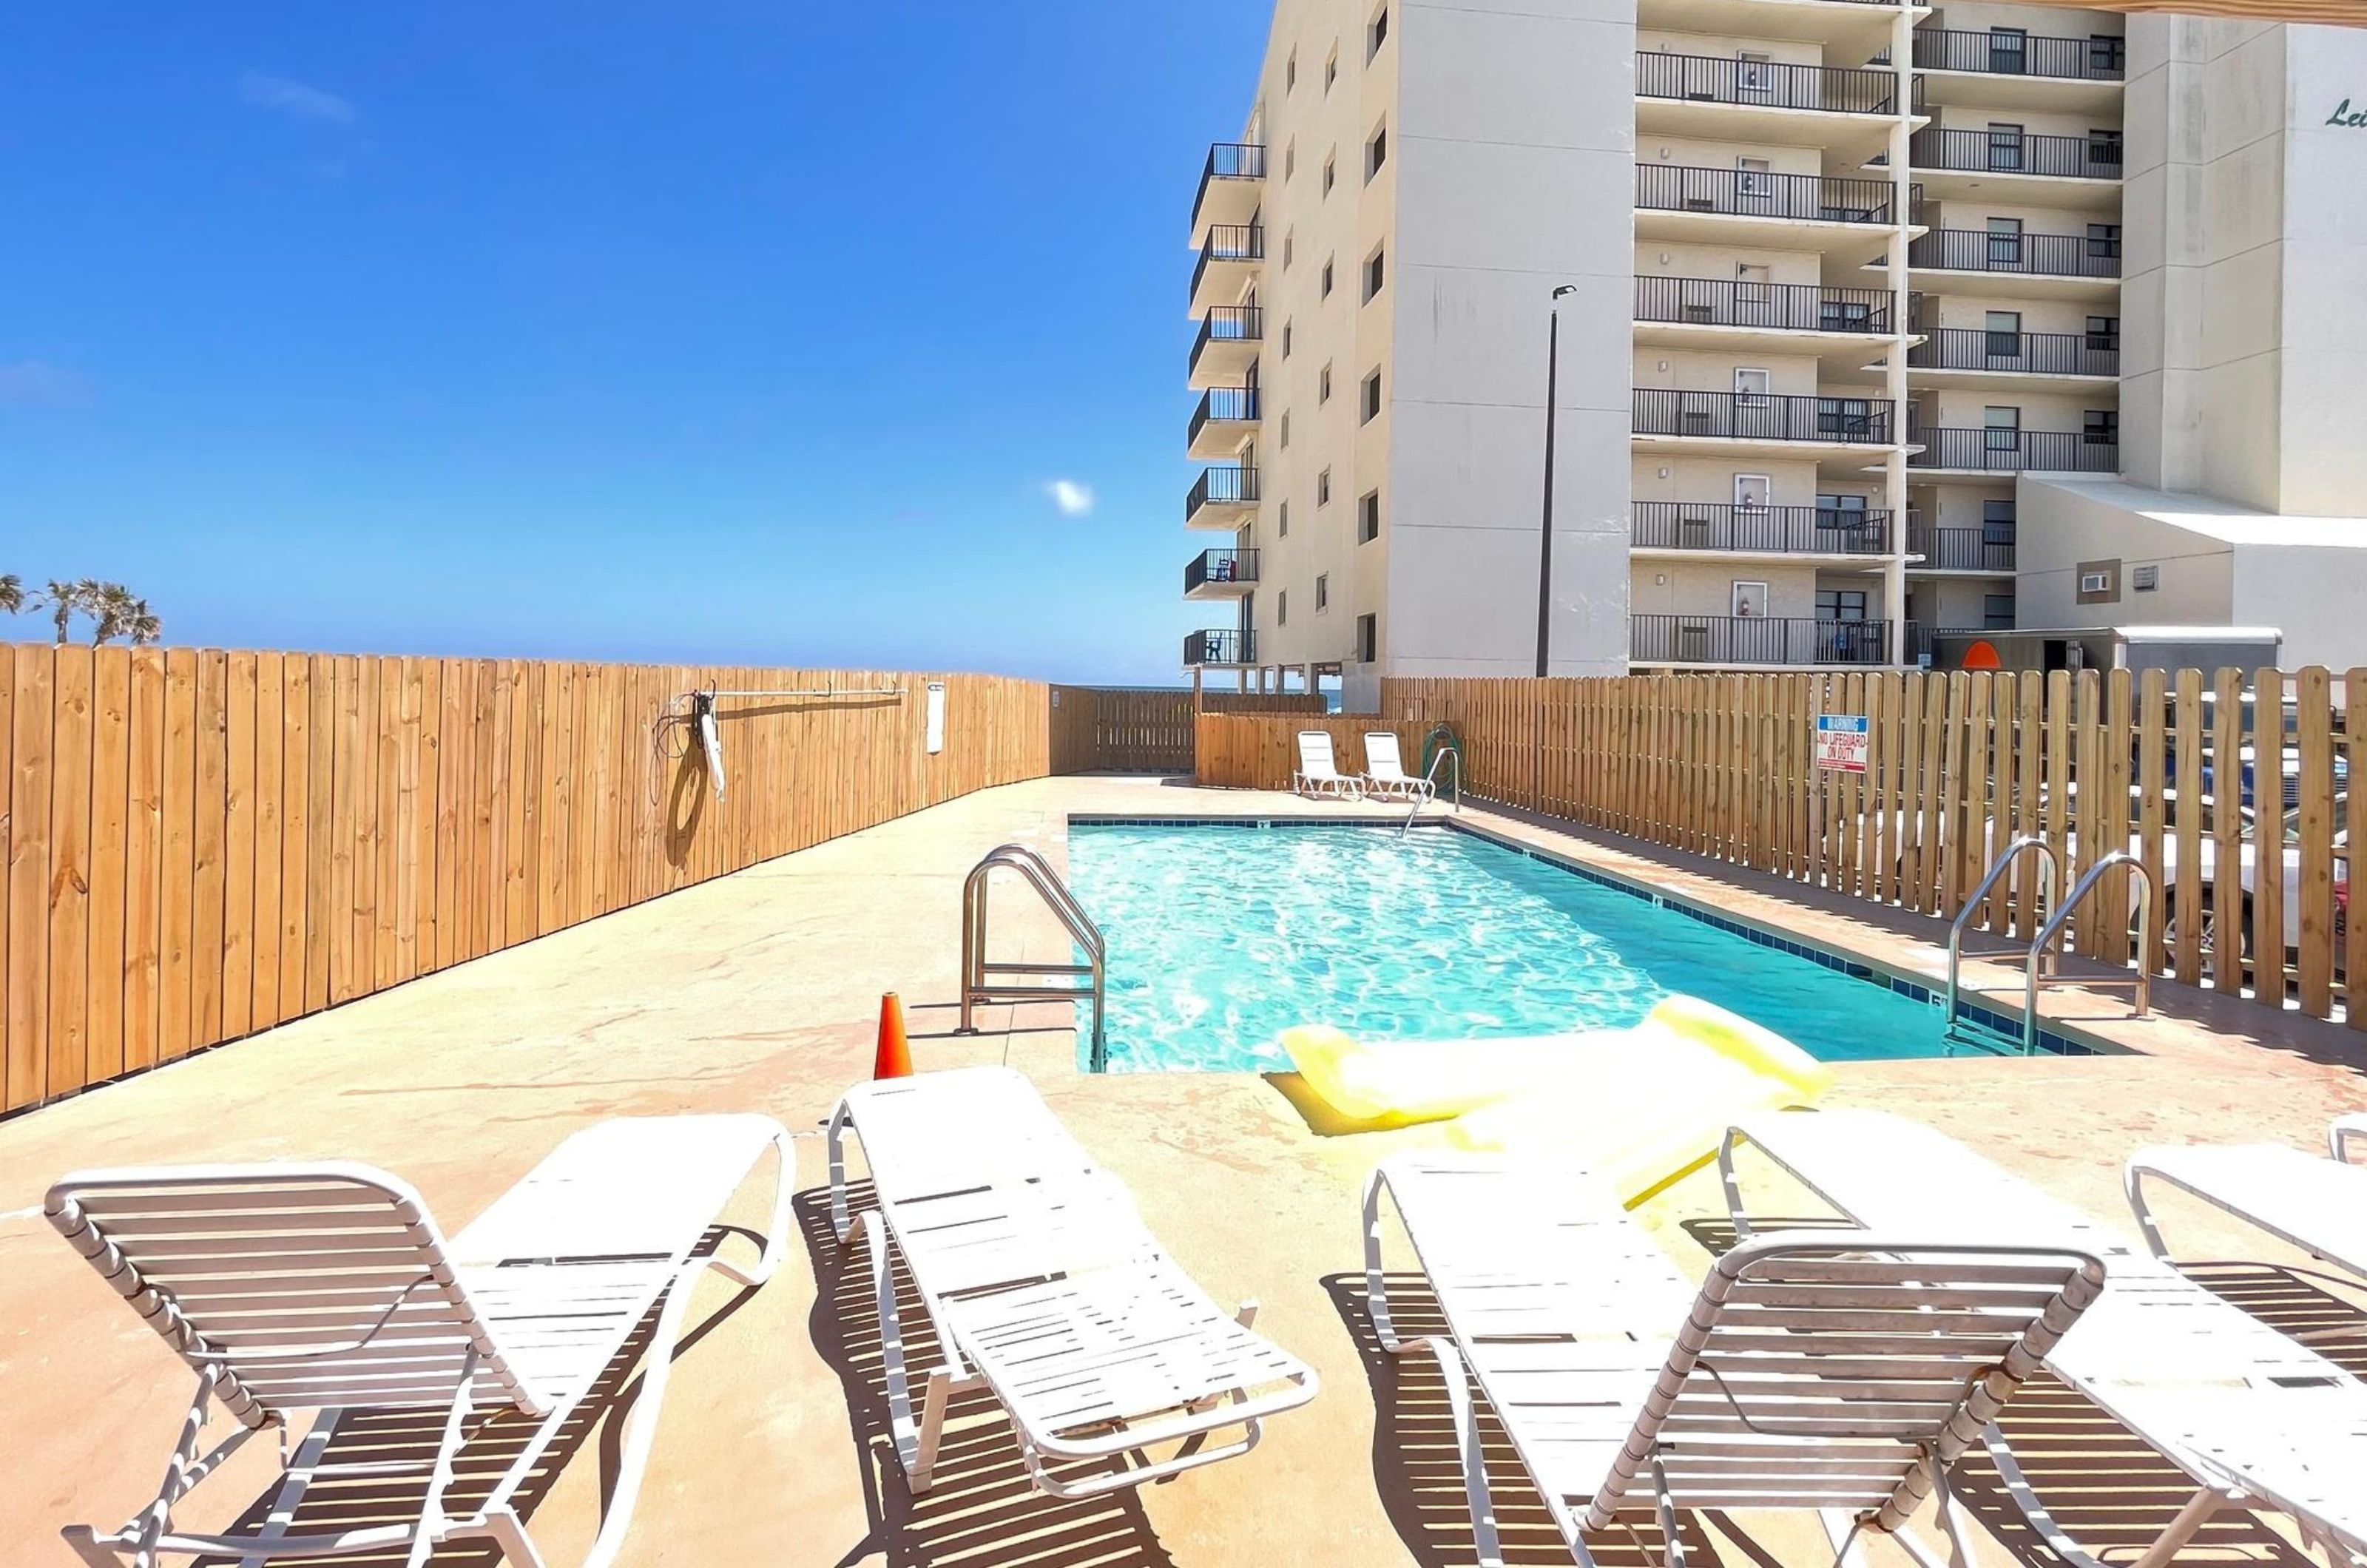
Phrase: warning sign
(1841, 741)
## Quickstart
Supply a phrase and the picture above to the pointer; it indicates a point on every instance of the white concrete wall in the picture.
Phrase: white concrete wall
(2322, 395)
(1514, 150)
(2059, 527)
(2314, 594)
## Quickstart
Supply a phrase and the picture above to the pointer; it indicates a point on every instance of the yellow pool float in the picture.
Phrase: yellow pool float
(1638, 1107)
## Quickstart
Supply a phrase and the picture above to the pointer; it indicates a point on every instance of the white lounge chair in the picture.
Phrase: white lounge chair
(1043, 1286)
(328, 1289)
(2315, 1204)
(1385, 772)
(2344, 1130)
(2256, 1419)
(1840, 1374)
(1317, 774)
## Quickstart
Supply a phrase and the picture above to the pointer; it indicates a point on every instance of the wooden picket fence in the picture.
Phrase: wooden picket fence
(200, 844)
(1957, 765)
(1261, 751)
(1146, 729)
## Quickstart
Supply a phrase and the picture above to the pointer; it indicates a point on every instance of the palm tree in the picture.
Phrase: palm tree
(12, 592)
(116, 613)
(83, 593)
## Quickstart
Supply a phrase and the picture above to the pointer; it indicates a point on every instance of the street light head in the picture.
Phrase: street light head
(1565, 289)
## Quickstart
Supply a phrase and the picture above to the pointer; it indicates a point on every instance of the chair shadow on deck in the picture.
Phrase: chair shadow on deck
(983, 1509)
(406, 1440)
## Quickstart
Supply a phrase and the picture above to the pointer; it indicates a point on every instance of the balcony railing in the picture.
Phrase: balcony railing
(1227, 324)
(1756, 639)
(2037, 354)
(1752, 193)
(2094, 157)
(2098, 59)
(1228, 485)
(1232, 404)
(1225, 647)
(1759, 416)
(1705, 79)
(1220, 566)
(1960, 549)
(2046, 255)
(1229, 161)
(1793, 307)
(1789, 530)
(1922, 641)
(1229, 243)
(2013, 451)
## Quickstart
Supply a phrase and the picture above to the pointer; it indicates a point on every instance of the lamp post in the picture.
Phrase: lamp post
(1545, 549)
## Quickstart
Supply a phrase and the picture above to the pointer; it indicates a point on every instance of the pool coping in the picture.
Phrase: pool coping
(2053, 1038)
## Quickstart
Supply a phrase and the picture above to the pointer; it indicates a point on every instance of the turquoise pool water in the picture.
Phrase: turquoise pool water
(1221, 937)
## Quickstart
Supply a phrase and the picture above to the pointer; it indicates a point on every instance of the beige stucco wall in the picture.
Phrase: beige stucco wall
(2059, 527)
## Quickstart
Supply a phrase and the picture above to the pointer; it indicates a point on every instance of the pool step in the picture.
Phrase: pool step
(1967, 1036)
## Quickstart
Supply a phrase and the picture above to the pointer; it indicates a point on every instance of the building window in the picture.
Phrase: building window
(1372, 274)
(2102, 428)
(2106, 54)
(1331, 69)
(1330, 172)
(2008, 51)
(1753, 176)
(2104, 333)
(1290, 72)
(1323, 488)
(1322, 591)
(1286, 430)
(2104, 153)
(1323, 385)
(1325, 290)
(1368, 639)
(1996, 529)
(1851, 419)
(1997, 612)
(1376, 152)
(1372, 406)
(1290, 159)
(2004, 332)
(1840, 604)
(1751, 386)
(1368, 518)
(2005, 241)
(2104, 239)
(1282, 519)
(2005, 147)
(2003, 428)
(1285, 339)
(1282, 607)
(1377, 33)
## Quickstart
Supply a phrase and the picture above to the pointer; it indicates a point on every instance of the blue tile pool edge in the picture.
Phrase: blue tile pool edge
(2051, 1041)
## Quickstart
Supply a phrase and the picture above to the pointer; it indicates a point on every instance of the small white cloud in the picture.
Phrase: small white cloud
(30, 383)
(286, 96)
(1074, 499)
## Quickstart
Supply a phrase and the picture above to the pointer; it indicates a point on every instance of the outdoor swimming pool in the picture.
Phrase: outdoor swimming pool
(1222, 936)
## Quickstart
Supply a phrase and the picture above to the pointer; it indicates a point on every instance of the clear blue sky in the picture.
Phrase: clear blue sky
(748, 332)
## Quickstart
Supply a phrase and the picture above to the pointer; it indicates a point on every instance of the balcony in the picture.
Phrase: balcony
(1758, 84)
(1762, 307)
(1220, 574)
(2013, 451)
(1746, 418)
(1677, 201)
(2022, 56)
(2071, 267)
(2004, 358)
(1230, 185)
(1854, 29)
(1958, 549)
(1756, 639)
(1222, 497)
(1769, 530)
(1227, 256)
(1219, 647)
(1959, 165)
(1227, 343)
(1226, 416)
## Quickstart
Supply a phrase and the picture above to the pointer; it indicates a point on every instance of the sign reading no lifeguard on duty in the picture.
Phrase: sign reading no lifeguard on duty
(1841, 741)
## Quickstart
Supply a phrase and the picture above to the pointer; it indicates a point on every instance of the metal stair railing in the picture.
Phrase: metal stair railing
(1445, 753)
(2054, 926)
(1026, 982)
(2050, 869)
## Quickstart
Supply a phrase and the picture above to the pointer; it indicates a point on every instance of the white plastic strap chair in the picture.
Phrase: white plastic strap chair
(329, 1289)
(1044, 1288)
(2345, 1133)
(1385, 772)
(2256, 1419)
(1843, 1375)
(1319, 774)
(2315, 1204)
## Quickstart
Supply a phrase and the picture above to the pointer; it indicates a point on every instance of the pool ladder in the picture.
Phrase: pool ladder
(2039, 960)
(1445, 754)
(984, 983)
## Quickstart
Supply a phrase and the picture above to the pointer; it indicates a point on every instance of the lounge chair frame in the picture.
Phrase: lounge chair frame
(1318, 771)
(1385, 776)
(490, 1358)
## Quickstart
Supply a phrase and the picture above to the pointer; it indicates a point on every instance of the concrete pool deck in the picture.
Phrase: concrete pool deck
(760, 991)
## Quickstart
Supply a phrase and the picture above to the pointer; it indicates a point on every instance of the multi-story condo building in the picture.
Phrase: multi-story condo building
(1851, 300)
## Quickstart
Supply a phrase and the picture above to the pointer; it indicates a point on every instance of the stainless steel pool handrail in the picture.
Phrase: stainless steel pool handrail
(2050, 868)
(978, 975)
(1429, 776)
(2047, 933)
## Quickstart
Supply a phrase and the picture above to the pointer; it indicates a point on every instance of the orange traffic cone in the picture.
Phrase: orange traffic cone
(895, 1058)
